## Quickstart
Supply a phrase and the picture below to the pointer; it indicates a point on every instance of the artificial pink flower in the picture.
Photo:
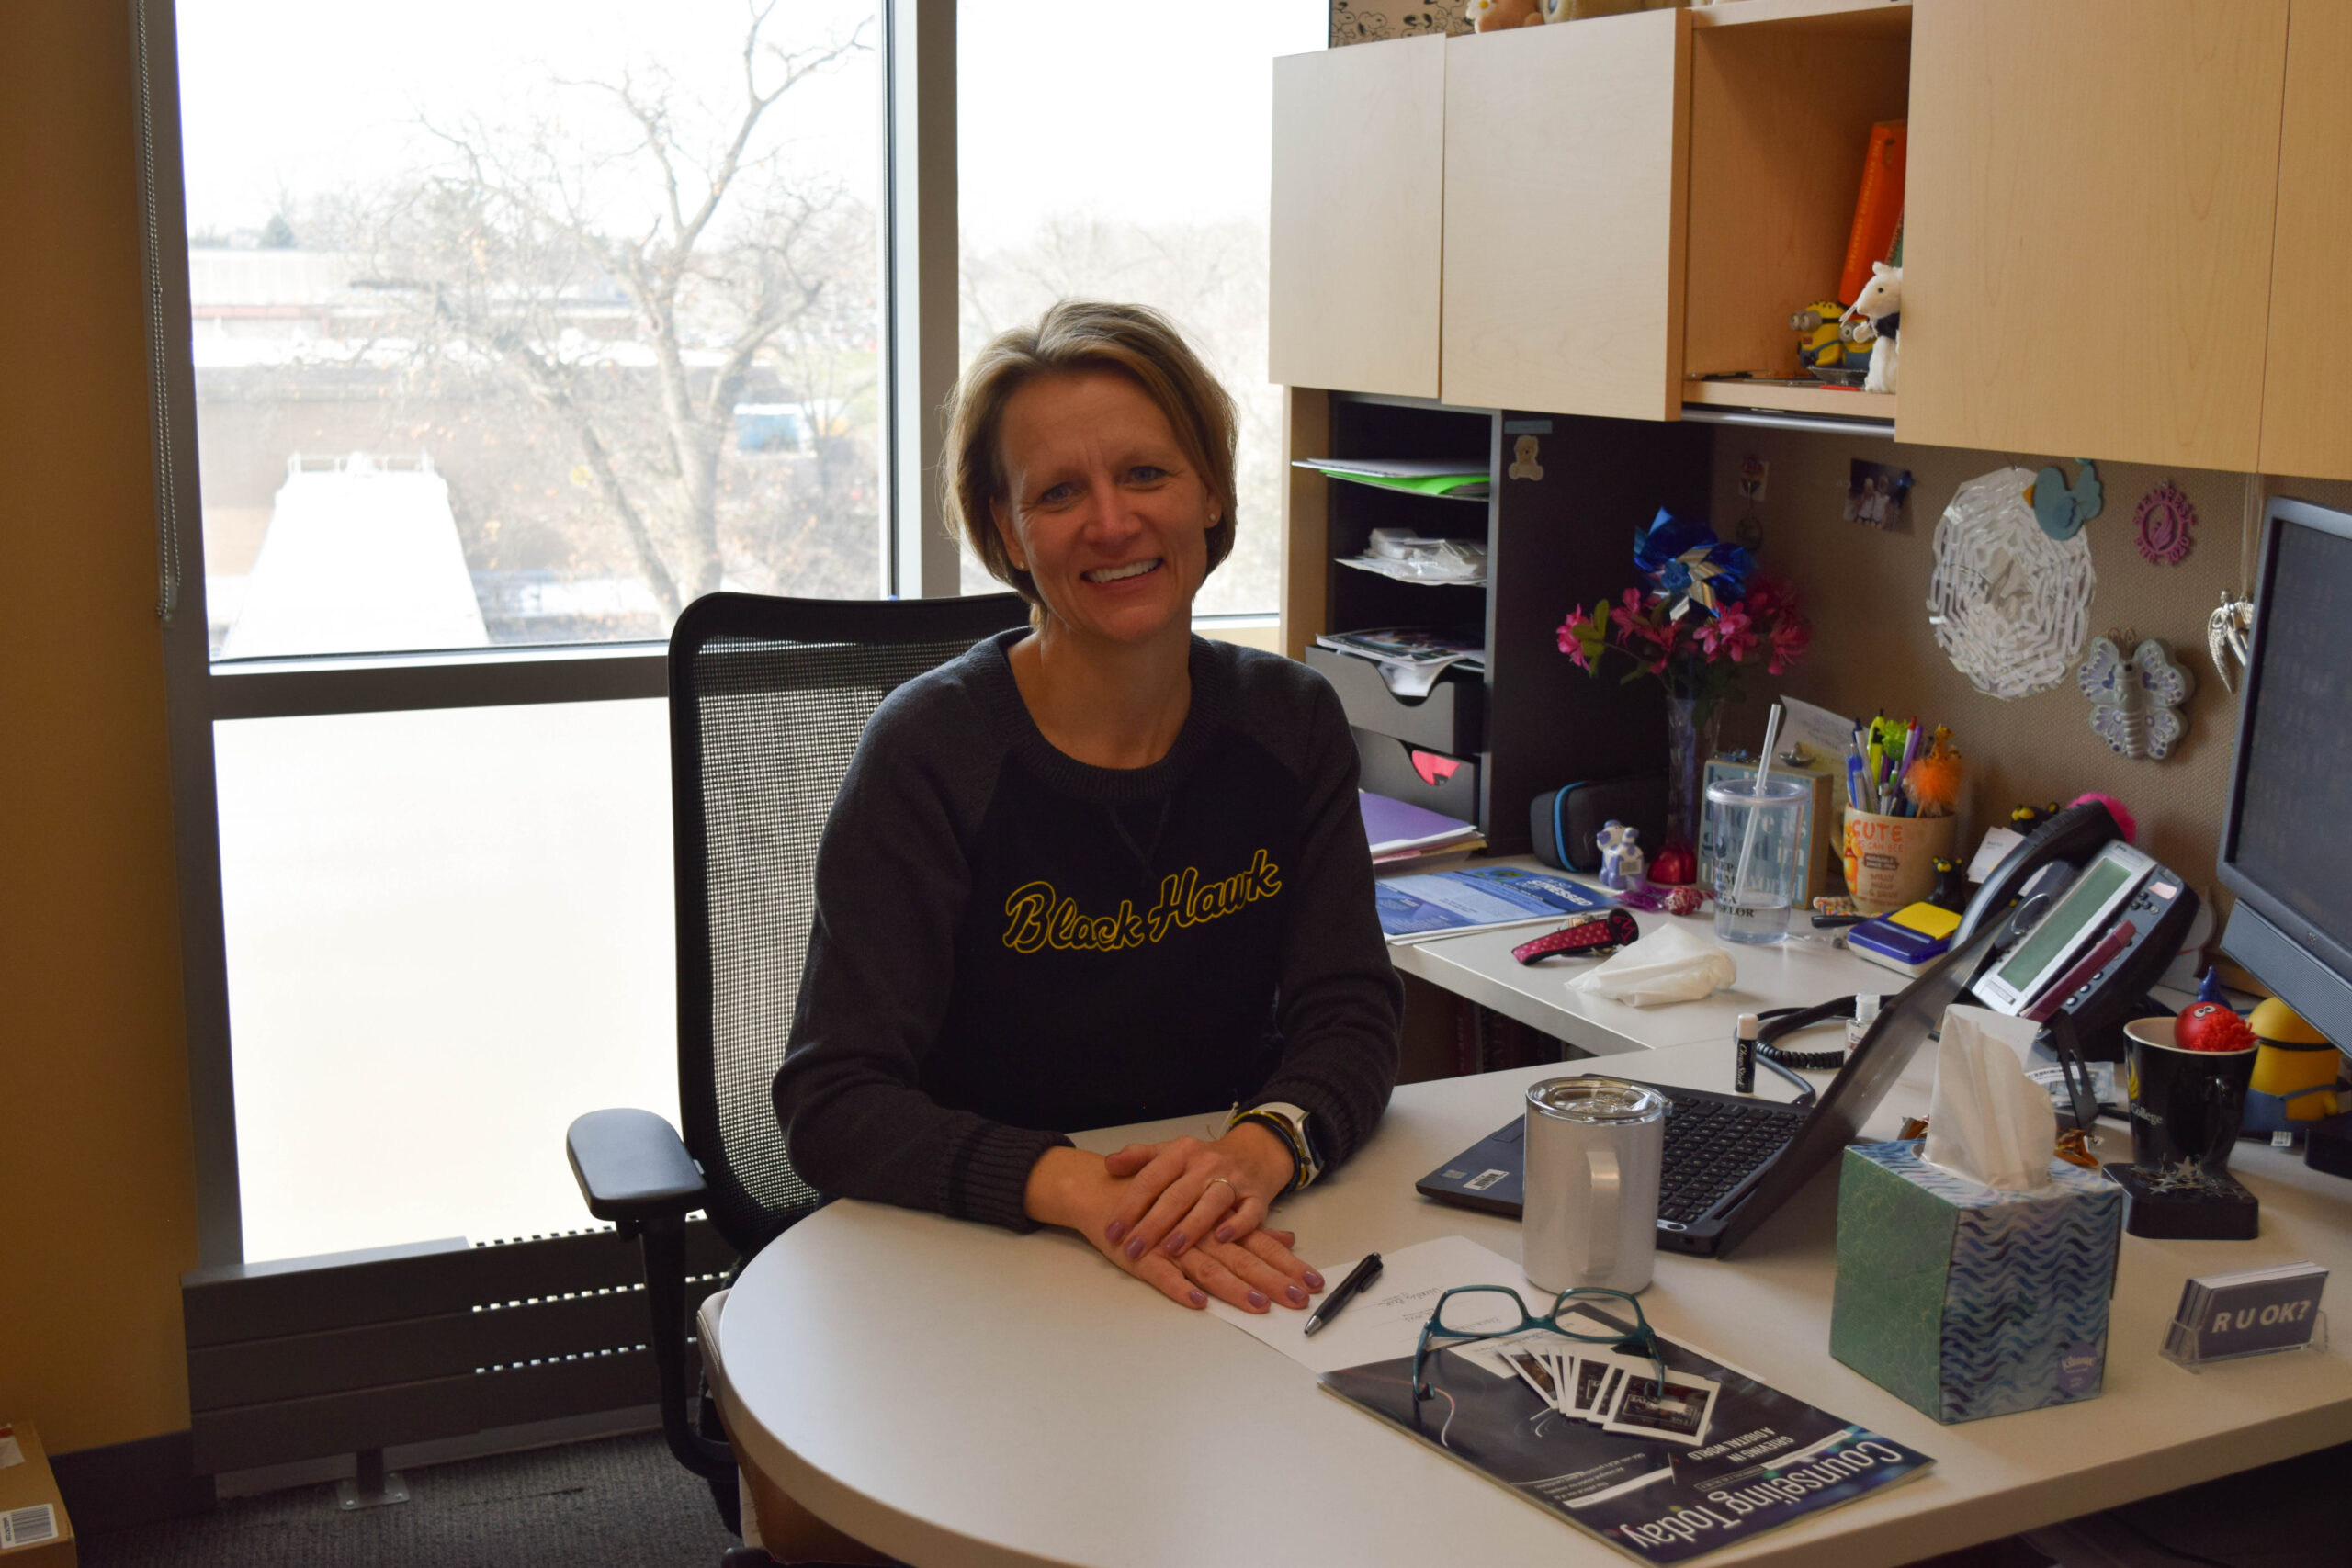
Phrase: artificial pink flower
(1767, 598)
(1731, 635)
(1790, 640)
(1572, 645)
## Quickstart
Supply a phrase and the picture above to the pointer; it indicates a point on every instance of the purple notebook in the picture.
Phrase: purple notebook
(1393, 825)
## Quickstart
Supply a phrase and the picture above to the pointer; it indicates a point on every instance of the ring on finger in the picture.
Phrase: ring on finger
(1229, 1187)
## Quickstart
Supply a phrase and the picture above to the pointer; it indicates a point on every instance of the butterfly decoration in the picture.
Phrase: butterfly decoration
(2135, 697)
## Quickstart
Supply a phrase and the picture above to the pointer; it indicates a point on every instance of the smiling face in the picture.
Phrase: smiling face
(1102, 508)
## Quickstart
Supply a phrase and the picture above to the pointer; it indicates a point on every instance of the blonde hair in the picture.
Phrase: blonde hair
(1073, 336)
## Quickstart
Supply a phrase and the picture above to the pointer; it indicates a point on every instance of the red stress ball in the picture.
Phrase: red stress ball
(2210, 1026)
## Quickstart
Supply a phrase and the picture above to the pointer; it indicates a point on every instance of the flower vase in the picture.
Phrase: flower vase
(1689, 744)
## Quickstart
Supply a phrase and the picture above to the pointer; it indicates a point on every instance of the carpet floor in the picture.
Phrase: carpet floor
(615, 1503)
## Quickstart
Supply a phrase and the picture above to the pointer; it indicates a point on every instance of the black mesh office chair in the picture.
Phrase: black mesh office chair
(767, 700)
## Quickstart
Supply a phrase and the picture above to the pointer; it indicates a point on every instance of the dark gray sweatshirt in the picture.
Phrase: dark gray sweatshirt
(1010, 946)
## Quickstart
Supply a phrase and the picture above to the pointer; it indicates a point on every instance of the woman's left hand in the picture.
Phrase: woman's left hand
(1188, 1191)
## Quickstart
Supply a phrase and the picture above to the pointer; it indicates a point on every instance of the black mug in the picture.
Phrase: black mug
(2186, 1105)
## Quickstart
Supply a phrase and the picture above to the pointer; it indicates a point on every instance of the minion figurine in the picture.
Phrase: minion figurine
(2294, 1072)
(1818, 342)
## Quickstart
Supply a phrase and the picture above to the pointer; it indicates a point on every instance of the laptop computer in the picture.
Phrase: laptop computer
(1732, 1160)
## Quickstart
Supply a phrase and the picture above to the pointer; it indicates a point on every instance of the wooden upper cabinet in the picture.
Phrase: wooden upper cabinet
(1564, 172)
(2306, 394)
(2087, 237)
(1356, 234)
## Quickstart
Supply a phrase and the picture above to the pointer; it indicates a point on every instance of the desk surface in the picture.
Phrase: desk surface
(953, 1394)
(1796, 973)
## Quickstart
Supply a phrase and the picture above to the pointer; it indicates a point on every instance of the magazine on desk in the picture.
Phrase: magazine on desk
(1446, 903)
(1664, 1472)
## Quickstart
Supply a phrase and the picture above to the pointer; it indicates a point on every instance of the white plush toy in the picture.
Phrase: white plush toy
(1880, 304)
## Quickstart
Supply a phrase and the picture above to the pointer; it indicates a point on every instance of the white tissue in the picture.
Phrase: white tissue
(1986, 1120)
(1669, 966)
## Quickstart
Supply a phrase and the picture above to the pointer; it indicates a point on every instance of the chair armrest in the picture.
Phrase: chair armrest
(632, 1166)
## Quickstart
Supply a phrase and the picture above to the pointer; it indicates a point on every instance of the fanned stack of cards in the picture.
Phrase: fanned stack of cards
(1612, 1390)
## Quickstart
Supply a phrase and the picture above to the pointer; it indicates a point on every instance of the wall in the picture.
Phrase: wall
(95, 1152)
(1866, 593)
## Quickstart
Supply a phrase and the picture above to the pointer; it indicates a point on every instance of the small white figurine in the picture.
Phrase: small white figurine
(1621, 862)
(1880, 304)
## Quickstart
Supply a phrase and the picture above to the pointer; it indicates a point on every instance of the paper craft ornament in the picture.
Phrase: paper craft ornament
(2163, 520)
(2062, 509)
(2133, 698)
(2010, 604)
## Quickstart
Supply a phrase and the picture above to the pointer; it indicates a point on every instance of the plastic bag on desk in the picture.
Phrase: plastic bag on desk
(1670, 965)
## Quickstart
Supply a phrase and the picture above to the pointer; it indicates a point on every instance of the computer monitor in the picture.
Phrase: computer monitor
(2287, 841)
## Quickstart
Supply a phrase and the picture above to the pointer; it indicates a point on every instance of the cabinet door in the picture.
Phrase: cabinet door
(2306, 394)
(1355, 235)
(1565, 169)
(2086, 246)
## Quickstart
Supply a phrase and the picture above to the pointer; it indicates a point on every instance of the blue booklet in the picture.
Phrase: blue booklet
(1441, 903)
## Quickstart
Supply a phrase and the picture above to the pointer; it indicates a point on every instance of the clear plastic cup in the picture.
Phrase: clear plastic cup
(1765, 832)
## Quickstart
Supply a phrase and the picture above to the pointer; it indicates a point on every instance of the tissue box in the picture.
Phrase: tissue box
(1967, 1300)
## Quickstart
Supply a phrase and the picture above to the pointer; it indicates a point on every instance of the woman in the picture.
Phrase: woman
(1101, 870)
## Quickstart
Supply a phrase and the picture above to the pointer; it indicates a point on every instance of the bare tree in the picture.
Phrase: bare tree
(636, 287)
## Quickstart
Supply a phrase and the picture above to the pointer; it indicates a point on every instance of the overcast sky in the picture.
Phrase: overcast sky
(1131, 110)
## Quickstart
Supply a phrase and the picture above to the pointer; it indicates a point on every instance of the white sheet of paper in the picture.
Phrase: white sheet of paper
(1827, 736)
(1385, 1320)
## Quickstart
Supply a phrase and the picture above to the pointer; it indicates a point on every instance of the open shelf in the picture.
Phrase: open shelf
(1783, 94)
(1841, 402)
(1850, 18)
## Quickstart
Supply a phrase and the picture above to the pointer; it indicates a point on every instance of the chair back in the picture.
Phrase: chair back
(768, 698)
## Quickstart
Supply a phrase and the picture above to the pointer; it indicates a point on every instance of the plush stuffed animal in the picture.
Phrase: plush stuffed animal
(1621, 856)
(1880, 304)
(1493, 16)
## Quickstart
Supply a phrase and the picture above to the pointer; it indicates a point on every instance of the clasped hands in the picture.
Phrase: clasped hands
(1186, 1217)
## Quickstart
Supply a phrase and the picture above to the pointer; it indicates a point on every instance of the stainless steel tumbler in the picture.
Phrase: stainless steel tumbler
(1594, 1146)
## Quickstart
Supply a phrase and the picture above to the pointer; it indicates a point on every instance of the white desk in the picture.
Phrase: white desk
(953, 1394)
(1796, 973)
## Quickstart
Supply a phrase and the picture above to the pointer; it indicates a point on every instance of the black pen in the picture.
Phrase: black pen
(1363, 1274)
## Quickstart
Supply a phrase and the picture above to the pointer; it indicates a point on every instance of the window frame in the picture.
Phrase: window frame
(918, 263)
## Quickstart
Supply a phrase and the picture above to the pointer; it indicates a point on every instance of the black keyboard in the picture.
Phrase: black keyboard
(1711, 1146)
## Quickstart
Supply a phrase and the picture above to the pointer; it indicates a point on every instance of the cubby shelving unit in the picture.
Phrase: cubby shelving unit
(1562, 539)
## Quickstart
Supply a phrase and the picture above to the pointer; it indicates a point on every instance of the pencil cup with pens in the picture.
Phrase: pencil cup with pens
(1902, 787)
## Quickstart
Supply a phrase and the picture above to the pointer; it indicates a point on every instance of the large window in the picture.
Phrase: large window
(528, 323)
(1126, 156)
(513, 323)
(516, 327)
(450, 933)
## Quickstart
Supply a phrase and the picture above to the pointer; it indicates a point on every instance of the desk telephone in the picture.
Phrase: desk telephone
(2092, 923)
(2087, 924)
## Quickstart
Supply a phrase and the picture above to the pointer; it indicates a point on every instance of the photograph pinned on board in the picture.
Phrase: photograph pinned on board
(1875, 492)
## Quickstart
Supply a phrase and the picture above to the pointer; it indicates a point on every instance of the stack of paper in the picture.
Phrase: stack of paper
(1400, 832)
(1411, 658)
(1452, 477)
